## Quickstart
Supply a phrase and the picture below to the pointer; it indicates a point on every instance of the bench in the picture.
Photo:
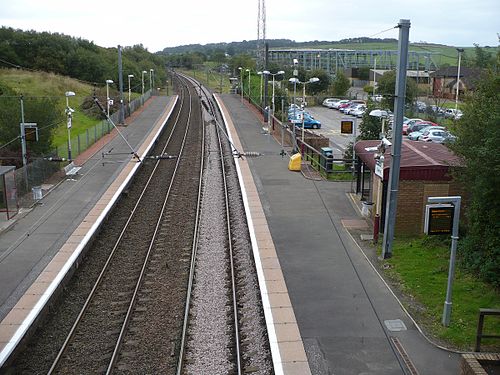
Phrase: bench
(71, 169)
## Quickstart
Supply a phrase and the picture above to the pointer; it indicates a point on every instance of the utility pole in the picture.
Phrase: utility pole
(120, 80)
(397, 136)
(266, 89)
(23, 135)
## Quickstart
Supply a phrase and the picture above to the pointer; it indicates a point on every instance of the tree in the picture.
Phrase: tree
(322, 85)
(478, 137)
(386, 86)
(483, 59)
(340, 84)
(371, 126)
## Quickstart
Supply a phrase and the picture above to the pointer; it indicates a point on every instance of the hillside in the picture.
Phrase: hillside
(444, 54)
(50, 89)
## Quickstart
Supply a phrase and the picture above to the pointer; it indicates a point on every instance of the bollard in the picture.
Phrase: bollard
(376, 228)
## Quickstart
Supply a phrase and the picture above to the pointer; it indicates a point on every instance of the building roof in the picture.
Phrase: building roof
(419, 160)
(452, 71)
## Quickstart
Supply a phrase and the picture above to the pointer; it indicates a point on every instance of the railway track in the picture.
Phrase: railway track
(125, 309)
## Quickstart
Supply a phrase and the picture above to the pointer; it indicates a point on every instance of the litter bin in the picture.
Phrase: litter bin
(326, 156)
(37, 193)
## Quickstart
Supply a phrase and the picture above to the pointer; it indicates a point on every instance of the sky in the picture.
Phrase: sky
(157, 24)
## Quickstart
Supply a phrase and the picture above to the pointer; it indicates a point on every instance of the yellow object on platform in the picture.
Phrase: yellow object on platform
(295, 162)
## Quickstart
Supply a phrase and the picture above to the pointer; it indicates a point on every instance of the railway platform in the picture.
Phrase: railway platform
(41, 248)
(349, 320)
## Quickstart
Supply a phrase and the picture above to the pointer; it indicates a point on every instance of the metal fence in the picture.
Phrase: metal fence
(38, 177)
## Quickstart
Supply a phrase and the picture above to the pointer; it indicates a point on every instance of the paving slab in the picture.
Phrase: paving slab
(340, 302)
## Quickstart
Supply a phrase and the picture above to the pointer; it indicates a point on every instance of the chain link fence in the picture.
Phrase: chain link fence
(37, 178)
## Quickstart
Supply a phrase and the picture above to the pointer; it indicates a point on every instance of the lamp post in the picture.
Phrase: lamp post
(260, 98)
(459, 50)
(267, 72)
(249, 72)
(151, 71)
(108, 82)
(374, 76)
(241, 81)
(142, 81)
(295, 81)
(129, 91)
(69, 114)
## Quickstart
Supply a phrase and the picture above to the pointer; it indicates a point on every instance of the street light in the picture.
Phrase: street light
(108, 82)
(151, 81)
(248, 70)
(261, 76)
(69, 114)
(142, 80)
(267, 72)
(295, 81)
(241, 81)
(374, 76)
(459, 50)
(129, 76)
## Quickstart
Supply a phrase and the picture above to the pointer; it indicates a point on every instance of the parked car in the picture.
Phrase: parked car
(419, 125)
(344, 107)
(431, 134)
(420, 106)
(339, 103)
(408, 122)
(377, 98)
(415, 136)
(452, 113)
(359, 111)
(309, 121)
(328, 102)
(352, 107)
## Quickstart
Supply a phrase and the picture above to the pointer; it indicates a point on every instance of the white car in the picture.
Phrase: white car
(328, 102)
(359, 111)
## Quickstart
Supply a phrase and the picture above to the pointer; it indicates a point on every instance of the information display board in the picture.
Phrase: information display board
(439, 219)
(346, 126)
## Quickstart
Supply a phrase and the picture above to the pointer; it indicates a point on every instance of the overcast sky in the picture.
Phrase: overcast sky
(165, 23)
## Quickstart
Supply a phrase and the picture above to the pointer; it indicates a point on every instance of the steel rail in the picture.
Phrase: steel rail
(194, 248)
(133, 300)
(204, 92)
(111, 255)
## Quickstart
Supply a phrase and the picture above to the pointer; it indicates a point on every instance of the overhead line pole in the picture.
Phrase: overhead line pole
(397, 136)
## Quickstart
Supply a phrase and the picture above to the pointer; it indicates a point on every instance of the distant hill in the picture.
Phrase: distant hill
(444, 54)
(249, 46)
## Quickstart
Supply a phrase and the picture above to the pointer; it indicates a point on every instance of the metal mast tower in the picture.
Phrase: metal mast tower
(261, 33)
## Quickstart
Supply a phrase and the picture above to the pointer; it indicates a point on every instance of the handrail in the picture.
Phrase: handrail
(479, 335)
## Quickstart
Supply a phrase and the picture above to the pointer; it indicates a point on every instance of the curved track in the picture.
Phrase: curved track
(123, 309)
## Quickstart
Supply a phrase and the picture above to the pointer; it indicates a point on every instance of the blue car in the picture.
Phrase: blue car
(309, 121)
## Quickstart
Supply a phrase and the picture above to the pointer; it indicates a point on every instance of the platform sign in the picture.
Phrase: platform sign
(346, 126)
(30, 131)
(439, 219)
(299, 117)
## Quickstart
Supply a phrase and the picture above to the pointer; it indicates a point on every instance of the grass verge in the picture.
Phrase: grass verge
(419, 268)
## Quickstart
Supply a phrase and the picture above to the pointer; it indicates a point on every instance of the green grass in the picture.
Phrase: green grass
(419, 267)
(42, 84)
(213, 81)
